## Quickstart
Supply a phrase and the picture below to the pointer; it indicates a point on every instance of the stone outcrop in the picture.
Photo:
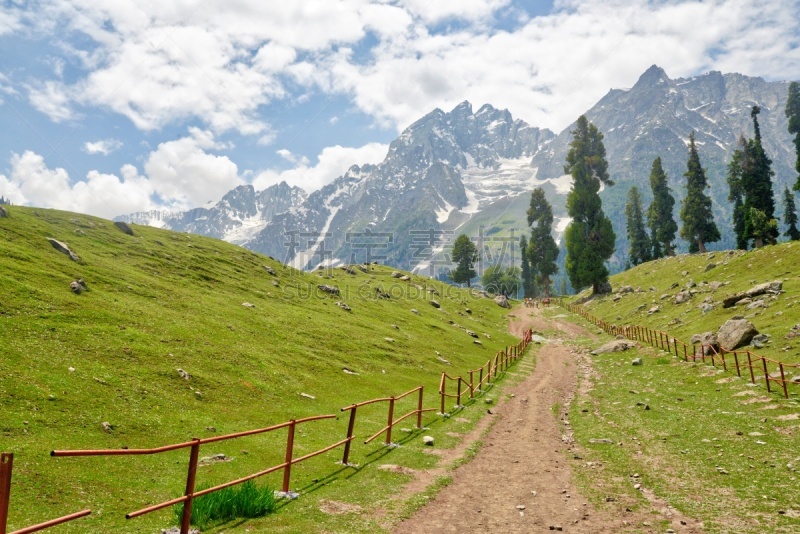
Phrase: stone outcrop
(773, 288)
(502, 301)
(124, 227)
(618, 345)
(64, 249)
(736, 333)
(708, 340)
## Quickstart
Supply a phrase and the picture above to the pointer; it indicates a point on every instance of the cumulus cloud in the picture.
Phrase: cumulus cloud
(471, 10)
(32, 182)
(332, 162)
(170, 62)
(179, 174)
(552, 68)
(184, 174)
(103, 146)
(179, 60)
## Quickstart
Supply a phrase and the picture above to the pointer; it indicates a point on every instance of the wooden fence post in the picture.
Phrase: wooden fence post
(191, 476)
(287, 470)
(441, 390)
(6, 464)
(350, 426)
(391, 420)
(419, 407)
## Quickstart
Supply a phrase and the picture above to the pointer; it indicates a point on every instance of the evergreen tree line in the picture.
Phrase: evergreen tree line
(590, 238)
(749, 178)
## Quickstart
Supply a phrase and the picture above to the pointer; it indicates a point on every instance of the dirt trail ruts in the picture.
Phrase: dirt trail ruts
(520, 480)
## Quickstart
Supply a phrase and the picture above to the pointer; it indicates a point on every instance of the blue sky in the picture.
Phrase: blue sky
(115, 106)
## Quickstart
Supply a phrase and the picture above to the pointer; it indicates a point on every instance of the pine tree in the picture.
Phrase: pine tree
(659, 215)
(465, 255)
(590, 236)
(738, 162)
(542, 248)
(790, 215)
(639, 249)
(756, 183)
(698, 221)
(525, 271)
(793, 114)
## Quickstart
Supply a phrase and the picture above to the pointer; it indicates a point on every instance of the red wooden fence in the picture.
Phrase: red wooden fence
(673, 345)
(501, 361)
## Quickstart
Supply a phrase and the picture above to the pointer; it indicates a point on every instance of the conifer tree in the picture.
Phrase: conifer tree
(639, 242)
(756, 183)
(790, 215)
(525, 271)
(698, 221)
(465, 255)
(793, 114)
(542, 248)
(589, 237)
(659, 215)
(736, 191)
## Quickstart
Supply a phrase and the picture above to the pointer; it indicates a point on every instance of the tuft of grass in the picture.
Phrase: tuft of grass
(244, 501)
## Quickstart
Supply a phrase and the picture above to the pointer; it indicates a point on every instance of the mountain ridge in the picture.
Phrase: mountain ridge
(463, 171)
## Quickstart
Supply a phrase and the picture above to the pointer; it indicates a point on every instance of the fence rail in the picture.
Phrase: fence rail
(501, 361)
(705, 352)
(6, 467)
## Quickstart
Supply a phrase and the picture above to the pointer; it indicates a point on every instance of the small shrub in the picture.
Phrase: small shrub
(245, 500)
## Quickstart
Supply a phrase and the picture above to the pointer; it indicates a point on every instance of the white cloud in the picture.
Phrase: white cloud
(179, 174)
(182, 173)
(331, 163)
(103, 146)
(53, 100)
(553, 68)
(438, 10)
(165, 62)
(32, 182)
(162, 63)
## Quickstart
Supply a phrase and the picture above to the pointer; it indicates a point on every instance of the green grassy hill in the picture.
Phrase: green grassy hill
(712, 277)
(260, 349)
(715, 447)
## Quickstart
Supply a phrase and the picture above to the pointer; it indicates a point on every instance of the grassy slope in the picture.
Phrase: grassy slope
(738, 270)
(159, 301)
(717, 448)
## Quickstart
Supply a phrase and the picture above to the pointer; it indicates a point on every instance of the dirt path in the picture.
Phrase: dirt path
(520, 480)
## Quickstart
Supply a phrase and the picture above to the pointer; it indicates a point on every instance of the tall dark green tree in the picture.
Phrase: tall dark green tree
(525, 271)
(590, 236)
(542, 248)
(793, 114)
(698, 221)
(465, 255)
(659, 215)
(639, 243)
(790, 215)
(756, 183)
(739, 161)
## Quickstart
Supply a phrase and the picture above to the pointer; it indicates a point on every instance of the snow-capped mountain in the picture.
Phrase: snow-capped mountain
(472, 172)
(439, 172)
(655, 117)
(240, 215)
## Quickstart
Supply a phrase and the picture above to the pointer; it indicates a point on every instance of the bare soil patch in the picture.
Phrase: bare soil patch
(521, 479)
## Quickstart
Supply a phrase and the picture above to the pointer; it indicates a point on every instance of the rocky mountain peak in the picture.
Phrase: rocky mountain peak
(652, 76)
